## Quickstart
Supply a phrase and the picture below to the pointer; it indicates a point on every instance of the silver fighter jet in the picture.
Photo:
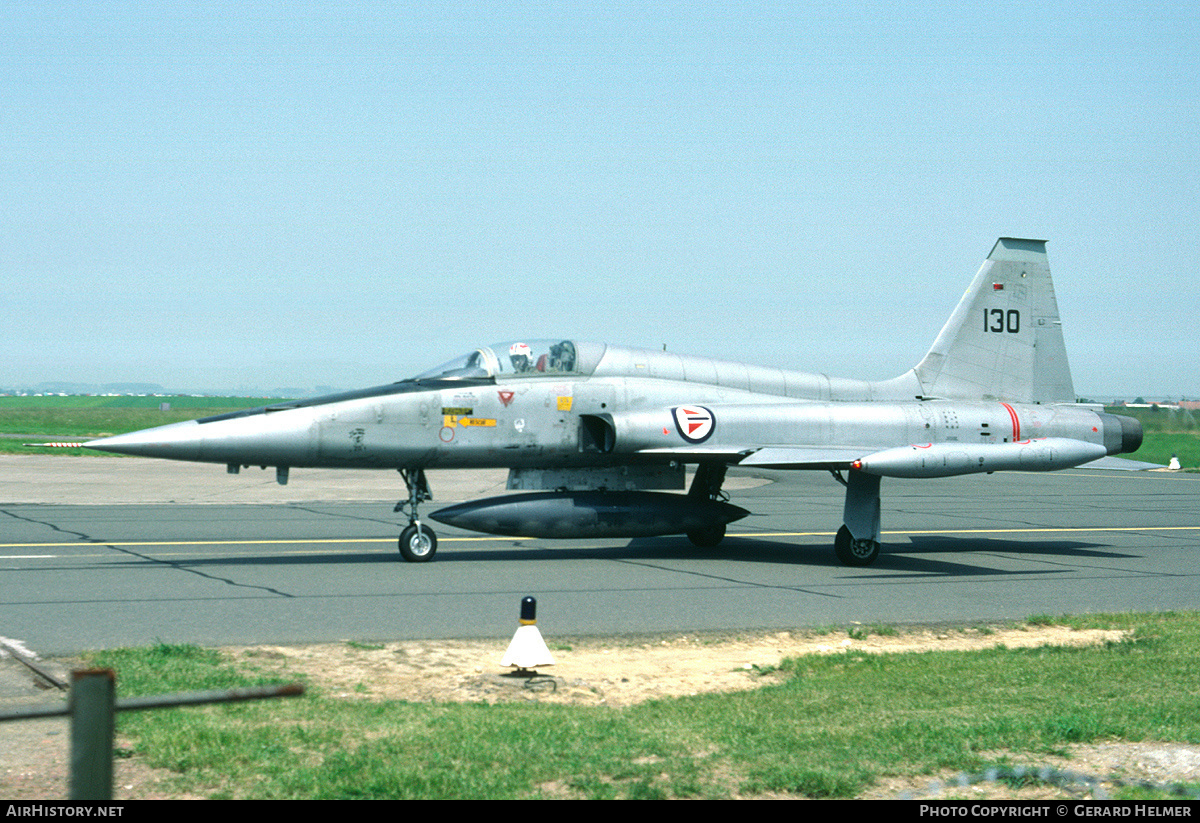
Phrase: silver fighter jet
(596, 437)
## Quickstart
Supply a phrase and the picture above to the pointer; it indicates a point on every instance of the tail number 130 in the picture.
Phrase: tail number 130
(1001, 321)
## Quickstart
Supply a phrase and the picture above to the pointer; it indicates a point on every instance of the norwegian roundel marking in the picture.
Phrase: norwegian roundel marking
(694, 423)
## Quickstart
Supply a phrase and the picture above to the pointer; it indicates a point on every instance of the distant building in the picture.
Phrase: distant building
(1152, 405)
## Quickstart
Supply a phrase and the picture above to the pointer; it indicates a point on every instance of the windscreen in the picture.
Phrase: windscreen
(504, 361)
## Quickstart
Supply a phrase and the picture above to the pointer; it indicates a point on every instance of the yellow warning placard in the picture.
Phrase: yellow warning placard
(452, 420)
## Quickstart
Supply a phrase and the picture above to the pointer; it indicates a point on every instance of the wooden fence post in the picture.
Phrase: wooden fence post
(93, 706)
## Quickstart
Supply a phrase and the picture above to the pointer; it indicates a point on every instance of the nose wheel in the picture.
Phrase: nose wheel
(418, 543)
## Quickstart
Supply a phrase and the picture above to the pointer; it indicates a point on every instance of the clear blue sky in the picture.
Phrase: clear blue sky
(260, 194)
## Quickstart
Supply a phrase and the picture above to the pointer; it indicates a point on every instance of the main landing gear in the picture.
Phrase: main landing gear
(418, 543)
(854, 552)
(857, 542)
(706, 485)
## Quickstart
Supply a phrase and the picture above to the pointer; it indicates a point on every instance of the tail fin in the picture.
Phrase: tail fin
(1004, 340)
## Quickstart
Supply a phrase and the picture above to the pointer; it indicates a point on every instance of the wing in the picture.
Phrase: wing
(805, 457)
(770, 457)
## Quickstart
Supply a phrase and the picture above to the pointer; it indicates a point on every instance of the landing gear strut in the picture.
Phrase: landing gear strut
(706, 485)
(418, 543)
(857, 542)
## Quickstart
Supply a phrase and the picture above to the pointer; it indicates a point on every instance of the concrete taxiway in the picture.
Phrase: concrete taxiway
(94, 554)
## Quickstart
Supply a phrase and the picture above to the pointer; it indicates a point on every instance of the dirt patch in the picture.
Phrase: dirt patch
(612, 672)
(599, 672)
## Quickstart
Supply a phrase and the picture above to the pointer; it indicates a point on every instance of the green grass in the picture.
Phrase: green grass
(48, 418)
(1157, 447)
(1161, 420)
(1166, 433)
(831, 728)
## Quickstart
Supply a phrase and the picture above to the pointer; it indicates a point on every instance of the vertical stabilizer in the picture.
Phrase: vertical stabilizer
(1004, 340)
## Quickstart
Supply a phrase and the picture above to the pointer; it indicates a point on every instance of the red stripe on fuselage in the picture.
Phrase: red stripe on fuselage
(1016, 423)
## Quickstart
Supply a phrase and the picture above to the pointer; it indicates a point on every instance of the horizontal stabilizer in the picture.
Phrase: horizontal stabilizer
(1121, 464)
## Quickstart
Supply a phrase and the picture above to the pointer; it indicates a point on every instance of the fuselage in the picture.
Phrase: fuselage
(551, 418)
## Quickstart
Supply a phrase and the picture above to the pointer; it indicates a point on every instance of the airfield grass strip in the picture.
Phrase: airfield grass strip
(1166, 432)
(43, 419)
(833, 726)
(97, 416)
(1159, 447)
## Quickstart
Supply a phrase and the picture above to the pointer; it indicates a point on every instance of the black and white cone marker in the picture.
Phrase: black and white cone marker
(527, 649)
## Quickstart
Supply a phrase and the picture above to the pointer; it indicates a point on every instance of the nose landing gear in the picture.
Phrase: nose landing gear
(418, 543)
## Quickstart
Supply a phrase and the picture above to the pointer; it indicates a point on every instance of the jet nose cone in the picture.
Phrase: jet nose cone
(177, 441)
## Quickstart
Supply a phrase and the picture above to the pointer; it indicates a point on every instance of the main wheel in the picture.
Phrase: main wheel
(708, 536)
(854, 552)
(418, 545)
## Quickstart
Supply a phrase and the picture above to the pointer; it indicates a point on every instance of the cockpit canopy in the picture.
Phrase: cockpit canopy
(519, 358)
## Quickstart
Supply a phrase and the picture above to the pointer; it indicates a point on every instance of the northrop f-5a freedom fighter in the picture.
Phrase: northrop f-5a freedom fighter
(596, 437)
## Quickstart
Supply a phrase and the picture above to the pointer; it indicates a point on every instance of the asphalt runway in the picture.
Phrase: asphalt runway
(957, 550)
